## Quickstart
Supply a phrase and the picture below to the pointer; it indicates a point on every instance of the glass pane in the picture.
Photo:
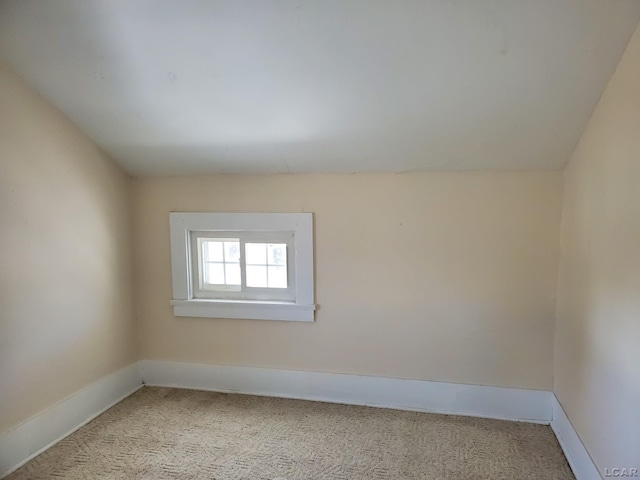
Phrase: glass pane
(212, 251)
(256, 253)
(214, 274)
(231, 252)
(256, 276)
(277, 277)
(277, 254)
(233, 273)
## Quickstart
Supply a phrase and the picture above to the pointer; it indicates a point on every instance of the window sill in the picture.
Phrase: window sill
(287, 311)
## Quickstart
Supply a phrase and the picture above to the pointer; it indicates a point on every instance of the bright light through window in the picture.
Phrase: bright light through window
(266, 265)
(220, 262)
(222, 265)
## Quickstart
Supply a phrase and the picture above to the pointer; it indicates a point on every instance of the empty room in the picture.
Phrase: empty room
(320, 239)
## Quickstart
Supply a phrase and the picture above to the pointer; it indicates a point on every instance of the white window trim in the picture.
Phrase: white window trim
(185, 305)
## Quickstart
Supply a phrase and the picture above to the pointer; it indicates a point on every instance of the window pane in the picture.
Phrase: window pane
(256, 253)
(231, 251)
(233, 273)
(256, 276)
(277, 277)
(212, 251)
(214, 274)
(277, 254)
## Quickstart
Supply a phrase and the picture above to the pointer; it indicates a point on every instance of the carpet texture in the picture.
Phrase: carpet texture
(161, 433)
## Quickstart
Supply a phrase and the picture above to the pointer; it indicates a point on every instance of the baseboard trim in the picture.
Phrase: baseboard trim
(34, 436)
(29, 439)
(417, 395)
(573, 448)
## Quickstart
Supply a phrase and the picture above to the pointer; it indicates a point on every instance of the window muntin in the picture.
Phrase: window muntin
(243, 265)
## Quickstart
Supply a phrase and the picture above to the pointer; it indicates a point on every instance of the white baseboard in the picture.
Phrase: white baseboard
(573, 448)
(30, 438)
(435, 397)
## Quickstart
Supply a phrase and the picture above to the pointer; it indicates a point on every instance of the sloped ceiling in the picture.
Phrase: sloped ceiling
(266, 86)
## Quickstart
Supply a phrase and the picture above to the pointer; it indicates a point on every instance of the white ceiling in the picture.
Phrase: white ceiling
(265, 86)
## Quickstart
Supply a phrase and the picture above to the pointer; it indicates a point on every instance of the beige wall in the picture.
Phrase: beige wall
(597, 367)
(66, 314)
(442, 276)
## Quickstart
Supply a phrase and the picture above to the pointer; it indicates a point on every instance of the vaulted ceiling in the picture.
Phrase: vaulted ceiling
(266, 86)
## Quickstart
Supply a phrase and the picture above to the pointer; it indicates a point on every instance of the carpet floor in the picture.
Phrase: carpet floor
(162, 433)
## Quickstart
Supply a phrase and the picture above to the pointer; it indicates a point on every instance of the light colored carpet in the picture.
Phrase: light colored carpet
(160, 433)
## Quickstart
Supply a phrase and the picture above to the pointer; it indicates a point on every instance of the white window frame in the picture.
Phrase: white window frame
(248, 293)
(298, 226)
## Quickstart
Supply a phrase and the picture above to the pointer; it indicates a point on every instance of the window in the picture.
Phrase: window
(243, 265)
